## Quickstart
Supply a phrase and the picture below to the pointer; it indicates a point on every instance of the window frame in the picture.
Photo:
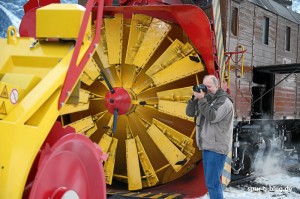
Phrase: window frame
(265, 30)
(287, 39)
(234, 23)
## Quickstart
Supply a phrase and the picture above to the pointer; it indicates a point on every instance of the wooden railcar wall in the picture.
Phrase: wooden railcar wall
(283, 56)
(286, 97)
(250, 33)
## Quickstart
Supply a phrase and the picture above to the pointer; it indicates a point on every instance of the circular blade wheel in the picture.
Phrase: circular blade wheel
(71, 168)
(132, 100)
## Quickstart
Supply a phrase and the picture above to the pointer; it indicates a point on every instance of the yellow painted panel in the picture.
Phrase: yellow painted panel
(225, 181)
(59, 21)
(101, 51)
(91, 72)
(24, 81)
(29, 123)
(176, 51)
(114, 37)
(83, 104)
(159, 195)
(133, 166)
(229, 154)
(167, 148)
(13, 88)
(86, 79)
(178, 70)
(10, 96)
(110, 162)
(184, 142)
(138, 27)
(105, 142)
(129, 194)
(128, 75)
(3, 111)
(4, 90)
(83, 125)
(168, 108)
(176, 195)
(84, 96)
(180, 94)
(142, 195)
(72, 108)
(156, 33)
(151, 177)
(19, 145)
(227, 167)
(91, 131)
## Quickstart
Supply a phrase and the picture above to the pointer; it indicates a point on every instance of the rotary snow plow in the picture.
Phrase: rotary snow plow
(118, 76)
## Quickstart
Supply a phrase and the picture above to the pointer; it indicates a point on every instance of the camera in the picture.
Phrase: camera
(199, 88)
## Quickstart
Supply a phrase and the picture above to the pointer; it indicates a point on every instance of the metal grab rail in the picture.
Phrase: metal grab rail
(229, 57)
(75, 70)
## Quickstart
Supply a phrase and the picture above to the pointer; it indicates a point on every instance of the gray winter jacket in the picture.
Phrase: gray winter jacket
(214, 124)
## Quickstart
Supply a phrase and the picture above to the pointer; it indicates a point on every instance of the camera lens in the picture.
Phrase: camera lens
(200, 87)
(196, 88)
(203, 88)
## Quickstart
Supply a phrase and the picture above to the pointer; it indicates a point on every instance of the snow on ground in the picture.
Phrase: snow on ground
(277, 186)
(278, 178)
(13, 18)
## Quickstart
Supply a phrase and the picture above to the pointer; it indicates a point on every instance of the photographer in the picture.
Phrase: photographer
(213, 111)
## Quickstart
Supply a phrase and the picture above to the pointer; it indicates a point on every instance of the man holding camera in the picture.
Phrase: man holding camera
(213, 112)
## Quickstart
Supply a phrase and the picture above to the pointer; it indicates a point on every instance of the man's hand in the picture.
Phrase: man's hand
(199, 95)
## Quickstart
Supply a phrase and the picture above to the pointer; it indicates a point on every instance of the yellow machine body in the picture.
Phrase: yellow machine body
(153, 63)
(57, 21)
(31, 77)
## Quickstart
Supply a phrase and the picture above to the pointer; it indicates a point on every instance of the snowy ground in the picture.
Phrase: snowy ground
(277, 186)
(273, 182)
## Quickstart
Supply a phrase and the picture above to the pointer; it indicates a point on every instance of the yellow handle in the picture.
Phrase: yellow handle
(243, 57)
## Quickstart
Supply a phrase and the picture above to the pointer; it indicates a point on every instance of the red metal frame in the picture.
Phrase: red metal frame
(75, 70)
(233, 53)
(191, 18)
(37, 4)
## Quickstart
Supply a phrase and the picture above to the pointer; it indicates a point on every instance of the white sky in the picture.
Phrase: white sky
(296, 6)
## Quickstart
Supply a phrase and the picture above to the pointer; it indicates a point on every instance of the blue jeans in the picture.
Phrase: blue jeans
(213, 164)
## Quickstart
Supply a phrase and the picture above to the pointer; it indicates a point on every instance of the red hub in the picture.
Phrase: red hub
(119, 100)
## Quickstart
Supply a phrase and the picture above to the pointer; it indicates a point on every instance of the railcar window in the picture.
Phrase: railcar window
(288, 38)
(234, 21)
(265, 35)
